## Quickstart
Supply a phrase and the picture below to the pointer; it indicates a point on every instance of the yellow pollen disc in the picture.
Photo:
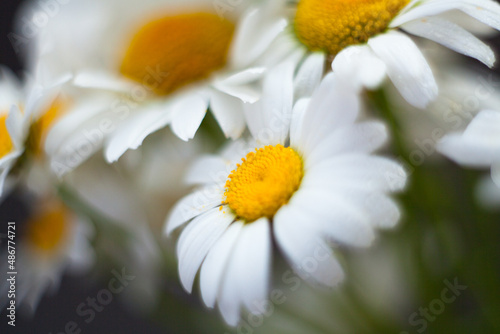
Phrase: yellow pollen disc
(6, 144)
(40, 128)
(46, 229)
(264, 182)
(332, 25)
(174, 51)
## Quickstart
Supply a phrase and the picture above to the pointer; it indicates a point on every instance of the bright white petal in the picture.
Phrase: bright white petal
(215, 263)
(277, 103)
(380, 210)
(247, 278)
(194, 205)
(359, 67)
(485, 11)
(197, 239)
(309, 75)
(132, 133)
(188, 113)
(298, 113)
(479, 145)
(452, 36)
(357, 170)
(269, 119)
(15, 126)
(210, 169)
(103, 80)
(333, 105)
(485, 126)
(257, 30)
(239, 85)
(407, 67)
(308, 255)
(228, 112)
(360, 137)
(334, 217)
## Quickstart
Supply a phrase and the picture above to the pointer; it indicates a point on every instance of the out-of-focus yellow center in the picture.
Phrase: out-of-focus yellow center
(40, 128)
(47, 229)
(6, 144)
(264, 182)
(174, 51)
(332, 25)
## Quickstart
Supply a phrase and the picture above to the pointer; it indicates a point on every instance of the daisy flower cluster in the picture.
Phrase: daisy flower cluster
(268, 159)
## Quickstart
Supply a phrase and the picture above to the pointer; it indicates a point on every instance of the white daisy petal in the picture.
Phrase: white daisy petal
(250, 41)
(452, 36)
(228, 112)
(407, 67)
(15, 126)
(194, 205)
(360, 67)
(357, 170)
(239, 85)
(253, 255)
(230, 302)
(213, 267)
(361, 137)
(249, 268)
(485, 11)
(277, 101)
(197, 239)
(333, 105)
(309, 75)
(298, 113)
(469, 153)
(132, 133)
(246, 76)
(485, 125)
(104, 80)
(308, 255)
(378, 208)
(188, 113)
(272, 126)
(479, 145)
(209, 169)
(246, 94)
(334, 216)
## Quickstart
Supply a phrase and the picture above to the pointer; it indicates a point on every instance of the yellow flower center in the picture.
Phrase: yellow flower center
(174, 51)
(264, 182)
(40, 128)
(332, 25)
(47, 229)
(6, 144)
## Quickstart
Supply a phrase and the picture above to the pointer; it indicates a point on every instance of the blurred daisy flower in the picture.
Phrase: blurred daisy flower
(52, 241)
(364, 41)
(310, 179)
(13, 124)
(477, 146)
(168, 62)
(27, 111)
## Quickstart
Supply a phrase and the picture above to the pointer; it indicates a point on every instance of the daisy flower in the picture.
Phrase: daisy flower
(365, 41)
(26, 114)
(169, 62)
(478, 146)
(54, 240)
(306, 177)
(13, 124)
